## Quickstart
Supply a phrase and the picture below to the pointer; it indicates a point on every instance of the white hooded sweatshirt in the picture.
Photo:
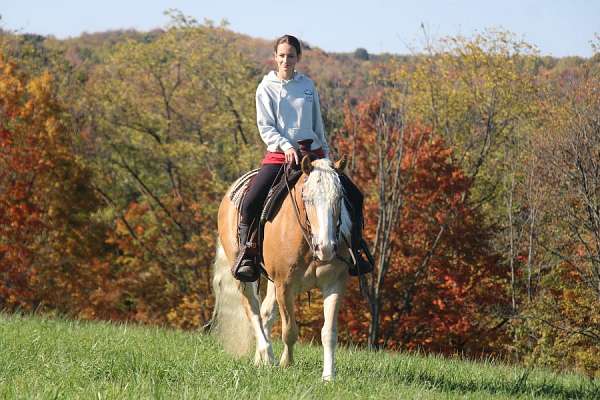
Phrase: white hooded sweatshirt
(289, 111)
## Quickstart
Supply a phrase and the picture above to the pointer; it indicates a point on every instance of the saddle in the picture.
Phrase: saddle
(275, 196)
(278, 190)
(285, 180)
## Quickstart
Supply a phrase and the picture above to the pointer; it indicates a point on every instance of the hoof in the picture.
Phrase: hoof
(285, 361)
(264, 357)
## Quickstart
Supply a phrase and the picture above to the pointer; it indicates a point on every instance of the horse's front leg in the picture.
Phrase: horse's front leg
(268, 309)
(289, 328)
(264, 349)
(332, 297)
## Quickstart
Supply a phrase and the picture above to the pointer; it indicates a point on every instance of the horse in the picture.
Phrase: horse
(305, 247)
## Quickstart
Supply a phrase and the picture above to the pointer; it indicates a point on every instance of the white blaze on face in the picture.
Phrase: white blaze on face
(326, 239)
(322, 197)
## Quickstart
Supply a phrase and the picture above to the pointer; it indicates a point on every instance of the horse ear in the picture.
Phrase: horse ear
(340, 164)
(306, 165)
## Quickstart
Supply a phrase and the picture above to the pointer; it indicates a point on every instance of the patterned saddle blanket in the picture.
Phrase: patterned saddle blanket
(274, 197)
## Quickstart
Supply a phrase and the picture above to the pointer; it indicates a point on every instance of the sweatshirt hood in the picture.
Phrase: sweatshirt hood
(272, 77)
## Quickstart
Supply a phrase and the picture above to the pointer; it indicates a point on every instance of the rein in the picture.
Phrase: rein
(305, 231)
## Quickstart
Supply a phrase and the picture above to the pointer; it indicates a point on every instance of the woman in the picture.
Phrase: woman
(288, 113)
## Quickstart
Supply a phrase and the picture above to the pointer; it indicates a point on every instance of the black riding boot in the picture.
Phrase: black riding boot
(244, 267)
(363, 261)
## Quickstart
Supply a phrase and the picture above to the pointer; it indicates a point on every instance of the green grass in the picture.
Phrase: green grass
(57, 359)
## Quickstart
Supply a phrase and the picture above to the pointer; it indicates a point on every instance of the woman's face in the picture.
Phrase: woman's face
(286, 59)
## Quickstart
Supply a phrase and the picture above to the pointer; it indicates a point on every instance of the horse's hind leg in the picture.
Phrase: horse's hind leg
(289, 329)
(264, 350)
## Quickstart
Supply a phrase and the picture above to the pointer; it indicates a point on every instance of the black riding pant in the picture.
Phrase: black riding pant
(257, 193)
(354, 202)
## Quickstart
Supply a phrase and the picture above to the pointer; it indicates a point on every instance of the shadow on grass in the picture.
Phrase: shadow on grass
(520, 385)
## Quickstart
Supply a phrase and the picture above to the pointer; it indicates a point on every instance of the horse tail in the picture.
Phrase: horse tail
(229, 322)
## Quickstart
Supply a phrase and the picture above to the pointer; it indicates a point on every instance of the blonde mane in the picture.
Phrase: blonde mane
(324, 189)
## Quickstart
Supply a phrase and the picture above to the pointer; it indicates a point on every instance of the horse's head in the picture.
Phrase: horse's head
(322, 196)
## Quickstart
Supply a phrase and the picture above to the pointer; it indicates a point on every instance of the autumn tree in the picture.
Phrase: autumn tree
(439, 284)
(481, 95)
(50, 246)
(561, 325)
(171, 124)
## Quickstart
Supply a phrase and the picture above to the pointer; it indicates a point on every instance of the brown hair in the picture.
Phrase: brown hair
(291, 40)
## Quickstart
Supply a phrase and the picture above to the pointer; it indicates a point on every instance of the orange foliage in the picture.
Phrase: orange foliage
(47, 240)
(444, 305)
(158, 279)
(54, 256)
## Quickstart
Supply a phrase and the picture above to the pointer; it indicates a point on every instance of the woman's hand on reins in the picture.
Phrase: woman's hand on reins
(291, 156)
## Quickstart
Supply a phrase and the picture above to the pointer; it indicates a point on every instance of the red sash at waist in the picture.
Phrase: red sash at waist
(276, 157)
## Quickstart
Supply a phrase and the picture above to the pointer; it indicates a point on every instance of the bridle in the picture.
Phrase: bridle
(305, 227)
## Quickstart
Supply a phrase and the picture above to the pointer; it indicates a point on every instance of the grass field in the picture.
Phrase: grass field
(57, 359)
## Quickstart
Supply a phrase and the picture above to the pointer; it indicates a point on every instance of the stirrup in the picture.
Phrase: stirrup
(244, 268)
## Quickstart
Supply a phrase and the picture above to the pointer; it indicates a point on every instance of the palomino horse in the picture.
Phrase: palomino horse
(314, 211)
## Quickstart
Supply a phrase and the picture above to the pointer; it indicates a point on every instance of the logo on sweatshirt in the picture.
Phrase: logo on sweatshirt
(308, 95)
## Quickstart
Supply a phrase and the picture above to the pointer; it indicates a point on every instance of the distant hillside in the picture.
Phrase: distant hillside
(347, 70)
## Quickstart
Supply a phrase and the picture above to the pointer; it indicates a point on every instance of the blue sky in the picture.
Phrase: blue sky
(556, 27)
